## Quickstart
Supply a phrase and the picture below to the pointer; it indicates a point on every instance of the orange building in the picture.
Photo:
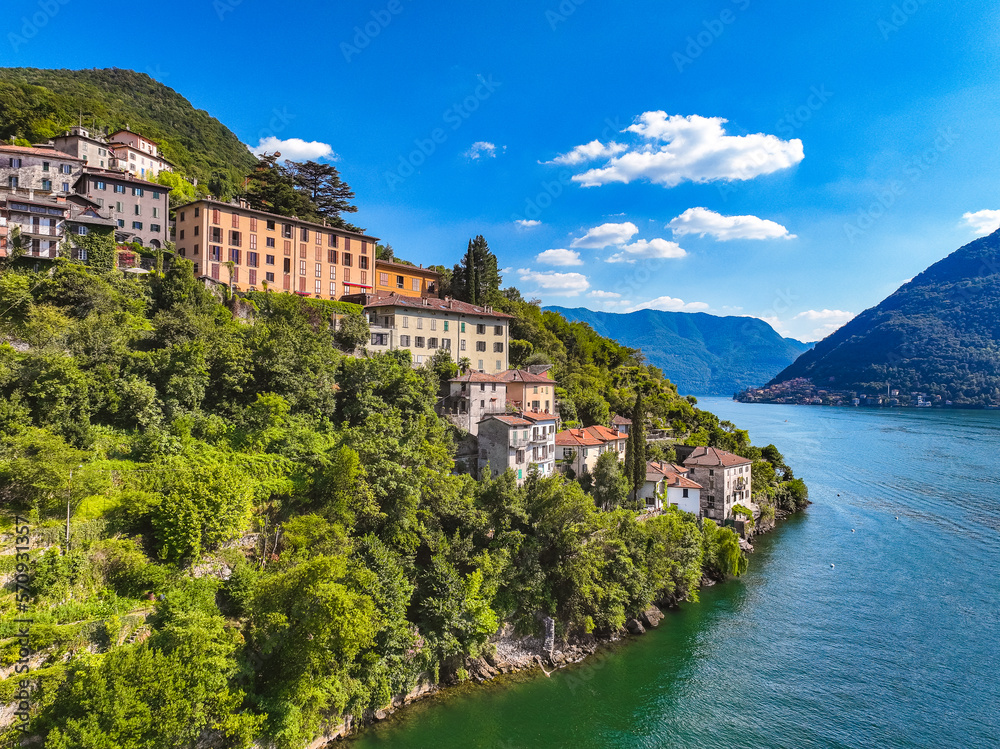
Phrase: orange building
(406, 280)
(276, 252)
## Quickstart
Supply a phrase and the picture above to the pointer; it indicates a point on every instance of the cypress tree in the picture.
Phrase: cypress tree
(638, 436)
(630, 459)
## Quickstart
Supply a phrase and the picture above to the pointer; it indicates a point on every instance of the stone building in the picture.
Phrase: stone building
(517, 442)
(472, 397)
(78, 142)
(38, 170)
(725, 479)
(140, 209)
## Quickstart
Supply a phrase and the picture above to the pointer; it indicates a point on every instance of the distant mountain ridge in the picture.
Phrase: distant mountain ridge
(702, 354)
(938, 334)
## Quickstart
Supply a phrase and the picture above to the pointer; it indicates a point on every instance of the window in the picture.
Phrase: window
(364, 278)
(268, 259)
(234, 255)
(235, 220)
(253, 277)
(137, 225)
(318, 270)
(216, 216)
(480, 330)
(215, 271)
(302, 267)
(347, 259)
(363, 262)
(304, 234)
(182, 234)
(81, 230)
(120, 189)
(270, 225)
(215, 253)
(446, 344)
(12, 181)
(498, 330)
(331, 256)
(303, 251)
(406, 322)
(461, 345)
(65, 186)
(480, 367)
(399, 282)
(15, 163)
(404, 340)
(253, 259)
(445, 326)
(137, 192)
(216, 234)
(138, 209)
(288, 248)
(100, 202)
(286, 231)
(45, 166)
(480, 346)
(333, 273)
(380, 339)
(154, 227)
(418, 342)
(331, 240)
(420, 323)
(434, 324)
(47, 184)
(463, 327)
(711, 472)
(416, 284)
(104, 186)
(432, 343)
(156, 212)
(119, 208)
(319, 288)
(347, 275)
(269, 241)
(234, 275)
(383, 279)
(333, 289)
(497, 348)
(235, 238)
(253, 241)
(67, 169)
(269, 277)
(195, 251)
(156, 195)
(121, 223)
(197, 231)
(287, 265)
(197, 212)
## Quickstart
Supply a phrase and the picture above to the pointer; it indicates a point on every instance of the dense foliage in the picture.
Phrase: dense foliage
(39, 104)
(938, 334)
(267, 533)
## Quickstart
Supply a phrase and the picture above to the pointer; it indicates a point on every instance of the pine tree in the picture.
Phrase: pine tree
(477, 278)
(322, 184)
(630, 459)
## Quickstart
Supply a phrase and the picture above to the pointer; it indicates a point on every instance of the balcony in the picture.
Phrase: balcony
(41, 231)
(519, 442)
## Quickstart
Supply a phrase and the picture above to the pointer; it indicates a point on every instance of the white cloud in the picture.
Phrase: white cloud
(702, 221)
(779, 327)
(676, 149)
(596, 294)
(559, 257)
(669, 304)
(560, 284)
(588, 152)
(606, 235)
(653, 249)
(295, 149)
(983, 222)
(482, 148)
(832, 319)
(527, 223)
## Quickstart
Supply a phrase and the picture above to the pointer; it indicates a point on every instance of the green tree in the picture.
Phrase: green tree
(328, 193)
(352, 333)
(477, 279)
(611, 487)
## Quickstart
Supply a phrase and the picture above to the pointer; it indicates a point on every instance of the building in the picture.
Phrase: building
(427, 325)
(471, 398)
(406, 280)
(78, 142)
(621, 424)
(530, 390)
(517, 442)
(136, 154)
(248, 249)
(725, 479)
(579, 449)
(38, 170)
(139, 208)
(576, 450)
(48, 226)
(670, 485)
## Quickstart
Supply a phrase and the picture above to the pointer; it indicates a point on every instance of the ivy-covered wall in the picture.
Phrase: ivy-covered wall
(100, 247)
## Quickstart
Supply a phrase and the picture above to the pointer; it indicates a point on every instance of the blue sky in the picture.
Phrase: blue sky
(792, 161)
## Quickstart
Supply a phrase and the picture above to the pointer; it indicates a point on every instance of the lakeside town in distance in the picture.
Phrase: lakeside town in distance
(802, 392)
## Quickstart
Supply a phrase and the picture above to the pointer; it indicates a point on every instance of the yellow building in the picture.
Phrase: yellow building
(283, 253)
(406, 280)
(425, 326)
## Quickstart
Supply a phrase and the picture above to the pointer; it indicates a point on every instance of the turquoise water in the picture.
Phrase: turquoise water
(897, 645)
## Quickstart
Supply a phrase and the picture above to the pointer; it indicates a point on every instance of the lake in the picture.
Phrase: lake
(894, 645)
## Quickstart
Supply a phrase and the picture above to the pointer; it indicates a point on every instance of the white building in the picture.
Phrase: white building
(670, 485)
(136, 154)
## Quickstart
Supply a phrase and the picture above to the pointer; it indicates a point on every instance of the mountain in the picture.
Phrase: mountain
(39, 104)
(938, 334)
(702, 354)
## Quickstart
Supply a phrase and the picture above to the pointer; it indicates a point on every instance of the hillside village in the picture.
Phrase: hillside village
(58, 196)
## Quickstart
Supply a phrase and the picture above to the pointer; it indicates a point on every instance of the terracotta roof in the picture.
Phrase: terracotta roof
(620, 421)
(274, 217)
(681, 482)
(538, 416)
(32, 151)
(576, 437)
(95, 171)
(522, 375)
(438, 305)
(604, 434)
(713, 456)
(391, 265)
(513, 421)
(477, 377)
